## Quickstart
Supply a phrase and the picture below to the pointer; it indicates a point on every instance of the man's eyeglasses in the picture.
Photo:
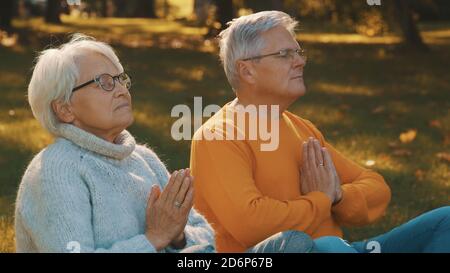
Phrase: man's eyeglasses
(108, 82)
(284, 53)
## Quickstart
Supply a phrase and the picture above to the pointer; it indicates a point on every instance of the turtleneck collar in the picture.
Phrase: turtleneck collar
(122, 147)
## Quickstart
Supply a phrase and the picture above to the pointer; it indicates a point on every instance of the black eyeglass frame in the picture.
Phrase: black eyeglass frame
(97, 80)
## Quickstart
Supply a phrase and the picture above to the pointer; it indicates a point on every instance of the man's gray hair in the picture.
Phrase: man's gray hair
(242, 39)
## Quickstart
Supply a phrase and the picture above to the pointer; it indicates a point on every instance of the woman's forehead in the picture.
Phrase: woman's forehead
(92, 63)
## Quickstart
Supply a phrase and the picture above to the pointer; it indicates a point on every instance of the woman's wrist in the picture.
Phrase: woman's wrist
(179, 242)
(156, 241)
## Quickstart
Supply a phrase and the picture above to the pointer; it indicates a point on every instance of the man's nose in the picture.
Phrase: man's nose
(299, 61)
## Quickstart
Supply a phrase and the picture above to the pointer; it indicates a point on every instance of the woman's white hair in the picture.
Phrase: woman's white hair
(56, 73)
(242, 39)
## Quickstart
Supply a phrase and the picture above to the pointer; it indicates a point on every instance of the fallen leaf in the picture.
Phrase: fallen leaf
(447, 139)
(402, 152)
(444, 156)
(344, 106)
(408, 136)
(419, 174)
(393, 144)
(379, 109)
(370, 163)
(435, 123)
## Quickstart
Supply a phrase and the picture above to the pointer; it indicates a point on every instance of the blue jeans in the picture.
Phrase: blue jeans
(290, 241)
(427, 233)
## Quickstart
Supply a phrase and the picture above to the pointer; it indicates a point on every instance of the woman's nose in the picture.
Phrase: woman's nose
(120, 90)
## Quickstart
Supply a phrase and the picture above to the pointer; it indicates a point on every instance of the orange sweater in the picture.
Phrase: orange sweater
(248, 195)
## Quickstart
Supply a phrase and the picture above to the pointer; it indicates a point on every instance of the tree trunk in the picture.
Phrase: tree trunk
(6, 15)
(277, 5)
(52, 11)
(104, 8)
(225, 12)
(145, 8)
(410, 32)
(120, 8)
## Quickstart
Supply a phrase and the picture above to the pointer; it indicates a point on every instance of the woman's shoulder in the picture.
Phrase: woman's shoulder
(61, 156)
(57, 166)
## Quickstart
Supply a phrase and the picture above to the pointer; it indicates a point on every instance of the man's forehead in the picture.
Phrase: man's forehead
(279, 38)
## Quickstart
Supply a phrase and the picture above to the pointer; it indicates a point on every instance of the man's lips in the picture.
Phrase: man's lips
(297, 77)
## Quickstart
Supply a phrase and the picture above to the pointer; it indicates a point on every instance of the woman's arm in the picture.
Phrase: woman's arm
(54, 212)
(198, 233)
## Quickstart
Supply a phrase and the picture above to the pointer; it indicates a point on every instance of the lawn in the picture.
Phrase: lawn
(385, 109)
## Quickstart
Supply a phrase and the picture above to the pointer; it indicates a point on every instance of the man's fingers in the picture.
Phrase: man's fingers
(328, 162)
(304, 155)
(312, 156)
(318, 152)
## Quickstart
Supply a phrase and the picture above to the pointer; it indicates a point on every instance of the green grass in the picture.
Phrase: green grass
(347, 78)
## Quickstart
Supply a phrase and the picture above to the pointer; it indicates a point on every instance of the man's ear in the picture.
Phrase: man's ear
(63, 111)
(246, 72)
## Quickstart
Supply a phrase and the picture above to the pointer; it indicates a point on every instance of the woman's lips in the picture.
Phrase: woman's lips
(125, 104)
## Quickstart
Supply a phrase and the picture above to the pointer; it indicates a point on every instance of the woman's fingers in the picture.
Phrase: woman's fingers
(188, 201)
(172, 193)
(186, 184)
(168, 187)
(154, 195)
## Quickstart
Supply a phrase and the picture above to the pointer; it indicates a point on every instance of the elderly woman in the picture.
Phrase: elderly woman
(94, 189)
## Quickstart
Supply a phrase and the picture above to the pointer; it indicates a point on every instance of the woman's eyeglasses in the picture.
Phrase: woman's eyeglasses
(108, 82)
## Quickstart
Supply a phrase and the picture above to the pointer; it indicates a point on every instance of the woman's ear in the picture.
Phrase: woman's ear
(63, 111)
(246, 72)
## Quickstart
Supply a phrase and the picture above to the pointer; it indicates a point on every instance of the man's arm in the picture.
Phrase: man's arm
(365, 193)
(224, 178)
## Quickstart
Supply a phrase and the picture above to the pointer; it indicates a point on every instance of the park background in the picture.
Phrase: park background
(377, 76)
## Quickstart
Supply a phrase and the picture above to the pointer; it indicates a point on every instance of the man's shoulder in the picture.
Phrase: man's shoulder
(216, 126)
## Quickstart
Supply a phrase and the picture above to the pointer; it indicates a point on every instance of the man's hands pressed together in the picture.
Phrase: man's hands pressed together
(318, 172)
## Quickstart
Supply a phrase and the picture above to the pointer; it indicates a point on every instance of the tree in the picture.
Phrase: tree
(53, 11)
(225, 12)
(6, 14)
(145, 8)
(258, 5)
(407, 24)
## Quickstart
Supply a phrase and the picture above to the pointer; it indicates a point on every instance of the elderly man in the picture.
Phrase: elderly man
(247, 193)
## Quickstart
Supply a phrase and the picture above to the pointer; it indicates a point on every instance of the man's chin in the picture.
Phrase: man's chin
(299, 92)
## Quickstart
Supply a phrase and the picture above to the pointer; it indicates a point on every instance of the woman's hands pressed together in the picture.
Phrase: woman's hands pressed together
(168, 211)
